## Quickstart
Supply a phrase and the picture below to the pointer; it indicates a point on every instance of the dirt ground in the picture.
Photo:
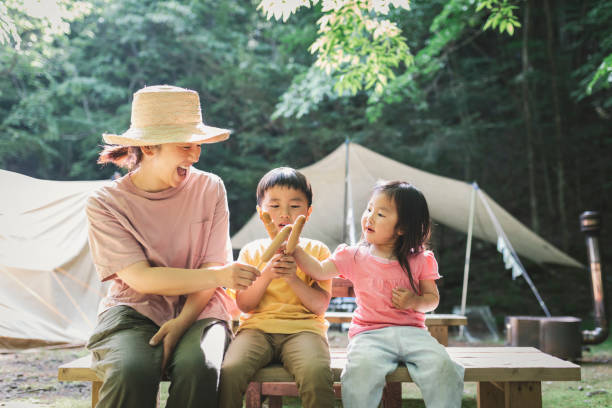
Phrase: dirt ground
(30, 376)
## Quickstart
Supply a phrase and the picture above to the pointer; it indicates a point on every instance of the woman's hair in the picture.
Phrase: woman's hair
(412, 220)
(121, 156)
(285, 177)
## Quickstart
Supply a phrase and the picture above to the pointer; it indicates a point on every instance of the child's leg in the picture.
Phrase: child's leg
(371, 356)
(247, 353)
(195, 366)
(438, 377)
(306, 356)
(131, 368)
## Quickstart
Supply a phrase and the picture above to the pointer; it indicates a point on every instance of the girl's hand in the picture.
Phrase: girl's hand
(170, 333)
(404, 298)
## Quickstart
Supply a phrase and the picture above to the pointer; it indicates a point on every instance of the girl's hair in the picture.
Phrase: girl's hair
(412, 220)
(122, 156)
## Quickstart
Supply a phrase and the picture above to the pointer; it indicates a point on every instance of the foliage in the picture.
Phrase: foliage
(603, 71)
(502, 15)
(456, 110)
(356, 45)
(8, 31)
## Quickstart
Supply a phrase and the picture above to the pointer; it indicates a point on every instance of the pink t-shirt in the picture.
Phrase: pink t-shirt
(181, 227)
(373, 281)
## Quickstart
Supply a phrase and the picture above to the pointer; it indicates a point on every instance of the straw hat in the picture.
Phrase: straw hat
(166, 114)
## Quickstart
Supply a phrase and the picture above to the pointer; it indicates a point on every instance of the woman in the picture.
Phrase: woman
(160, 234)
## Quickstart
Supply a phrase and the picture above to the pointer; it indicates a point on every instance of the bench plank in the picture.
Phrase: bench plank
(481, 364)
(507, 377)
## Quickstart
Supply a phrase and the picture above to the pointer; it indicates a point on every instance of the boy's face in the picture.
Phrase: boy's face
(284, 204)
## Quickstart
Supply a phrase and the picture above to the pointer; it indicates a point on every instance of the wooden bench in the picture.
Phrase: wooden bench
(257, 390)
(508, 377)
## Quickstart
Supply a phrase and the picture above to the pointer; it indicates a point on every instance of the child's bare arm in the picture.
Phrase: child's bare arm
(315, 298)
(313, 267)
(405, 298)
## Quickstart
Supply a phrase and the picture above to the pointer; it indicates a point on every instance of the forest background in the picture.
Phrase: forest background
(514, 95)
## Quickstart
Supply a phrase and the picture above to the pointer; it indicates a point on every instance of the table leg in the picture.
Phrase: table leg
(253, 395)
(439, 333)
(95, 392)
(515, 394)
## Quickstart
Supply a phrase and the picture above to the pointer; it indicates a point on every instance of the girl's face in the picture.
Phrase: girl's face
(285, 204)
(168, 165)
(379, 221)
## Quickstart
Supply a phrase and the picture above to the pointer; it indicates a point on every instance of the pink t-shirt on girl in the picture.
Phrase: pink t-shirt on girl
(181, 227)
(374, 278)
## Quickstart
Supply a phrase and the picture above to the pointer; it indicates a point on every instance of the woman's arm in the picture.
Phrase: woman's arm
(177, 281)
(313, 267)
(405, 298)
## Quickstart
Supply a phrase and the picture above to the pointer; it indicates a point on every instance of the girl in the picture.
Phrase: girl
(394, 280)
(160, 236)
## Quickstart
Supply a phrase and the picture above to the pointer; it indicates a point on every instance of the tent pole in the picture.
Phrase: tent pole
(346, 192)
(468, 252)
(501, 233)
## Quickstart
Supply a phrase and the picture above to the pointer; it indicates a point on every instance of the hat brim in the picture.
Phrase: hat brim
(160, 134)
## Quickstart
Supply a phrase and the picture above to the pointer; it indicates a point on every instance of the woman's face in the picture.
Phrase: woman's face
(169, 164)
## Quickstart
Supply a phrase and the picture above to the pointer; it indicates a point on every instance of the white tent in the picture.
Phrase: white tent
(49, 291)
(449, 200)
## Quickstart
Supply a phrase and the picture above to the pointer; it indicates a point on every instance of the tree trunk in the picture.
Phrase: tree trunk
(533, 199)
(558, 129)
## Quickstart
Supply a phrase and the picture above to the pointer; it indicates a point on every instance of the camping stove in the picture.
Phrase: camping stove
(561, 336)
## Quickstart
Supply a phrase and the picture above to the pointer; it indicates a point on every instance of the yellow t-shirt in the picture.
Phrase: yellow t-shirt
(280, 309)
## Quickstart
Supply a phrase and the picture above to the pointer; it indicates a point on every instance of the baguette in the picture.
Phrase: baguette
(294, 238)
(275, 244)
(270, 226)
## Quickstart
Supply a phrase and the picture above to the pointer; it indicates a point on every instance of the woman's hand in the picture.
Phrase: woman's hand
(236, 275)
(169, 333)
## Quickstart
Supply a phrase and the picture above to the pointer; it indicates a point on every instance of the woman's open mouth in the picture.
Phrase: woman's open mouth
(182, 171)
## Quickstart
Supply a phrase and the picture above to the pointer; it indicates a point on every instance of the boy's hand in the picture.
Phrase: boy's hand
(285, 267)
(269, 271)
(404, 298)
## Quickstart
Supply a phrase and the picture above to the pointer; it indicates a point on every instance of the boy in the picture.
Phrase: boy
(283, 311)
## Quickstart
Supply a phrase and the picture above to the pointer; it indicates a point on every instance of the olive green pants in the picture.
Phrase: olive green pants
(303, 354)
(131, 368)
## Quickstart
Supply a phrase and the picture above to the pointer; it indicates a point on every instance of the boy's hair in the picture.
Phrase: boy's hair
(412, 219)
(286, 177)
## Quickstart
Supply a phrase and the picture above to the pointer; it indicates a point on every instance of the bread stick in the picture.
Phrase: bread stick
(298, 225)
(275, 244)
(270, 226)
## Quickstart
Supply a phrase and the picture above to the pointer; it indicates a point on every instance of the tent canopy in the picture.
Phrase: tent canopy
(49, 291)
(448, 200)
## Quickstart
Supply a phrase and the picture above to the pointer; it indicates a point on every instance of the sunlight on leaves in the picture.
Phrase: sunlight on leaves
(356, 46)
